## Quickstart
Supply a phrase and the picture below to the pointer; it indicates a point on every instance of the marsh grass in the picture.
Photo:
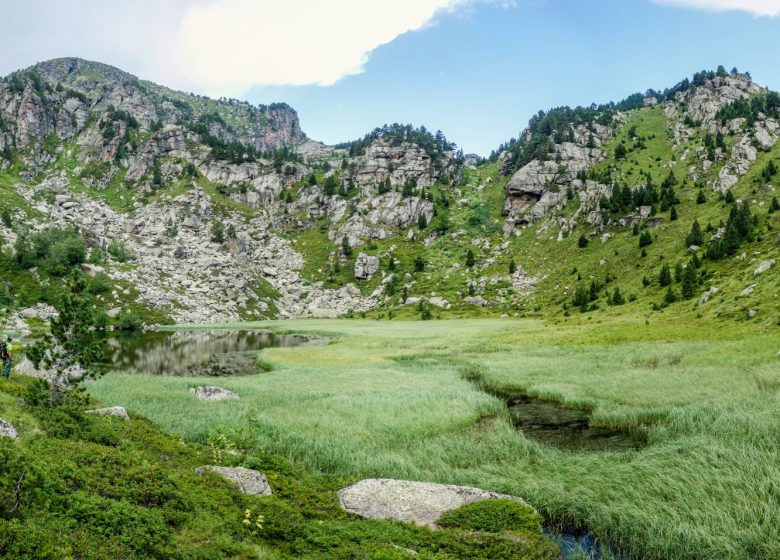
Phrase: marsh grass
(389, 399)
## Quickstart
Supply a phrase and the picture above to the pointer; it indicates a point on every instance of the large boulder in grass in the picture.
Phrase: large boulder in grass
(211, 393)
(405, 500)
(7, 430)
(116, 411)
(245, 480)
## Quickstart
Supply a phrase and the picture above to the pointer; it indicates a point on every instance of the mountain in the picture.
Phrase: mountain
(199, 210)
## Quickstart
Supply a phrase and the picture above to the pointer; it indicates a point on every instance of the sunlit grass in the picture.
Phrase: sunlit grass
(391, 399)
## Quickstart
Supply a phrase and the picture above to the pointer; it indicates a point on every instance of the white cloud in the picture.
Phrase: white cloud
(229, 45)
(219, 47)
(756, 7)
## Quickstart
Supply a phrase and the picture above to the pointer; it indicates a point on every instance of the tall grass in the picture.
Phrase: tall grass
(390, 399)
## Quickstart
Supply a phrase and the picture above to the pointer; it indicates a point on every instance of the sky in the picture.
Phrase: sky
(475, 69)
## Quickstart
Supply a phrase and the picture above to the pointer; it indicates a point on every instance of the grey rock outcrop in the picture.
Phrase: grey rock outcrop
(247, 481)
(211, 393)
(366, 266)
(116, 411)
(404, 500)
(764, 266)
(7, 430)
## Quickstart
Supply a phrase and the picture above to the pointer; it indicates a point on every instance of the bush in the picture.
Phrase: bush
(582, 242)
(119, 251)
(99, 284)
(129, 321)
(492, 516)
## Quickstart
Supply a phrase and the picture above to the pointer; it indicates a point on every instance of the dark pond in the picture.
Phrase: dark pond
(566, 428)
(193, 353)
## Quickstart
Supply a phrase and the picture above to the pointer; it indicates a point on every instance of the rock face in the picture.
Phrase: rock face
(211, 393)
(540, 186)
(365, 266)
(404, 500)
(117, 411)
(7, 430)
(247, 481)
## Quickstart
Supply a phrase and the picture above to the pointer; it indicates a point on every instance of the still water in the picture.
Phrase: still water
(193, 353)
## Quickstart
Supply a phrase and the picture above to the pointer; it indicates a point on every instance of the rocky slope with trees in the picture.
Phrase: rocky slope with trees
(189, 209)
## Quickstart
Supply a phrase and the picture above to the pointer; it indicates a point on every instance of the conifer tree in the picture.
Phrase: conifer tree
(689, 281)
(665, 277)
(695, 236)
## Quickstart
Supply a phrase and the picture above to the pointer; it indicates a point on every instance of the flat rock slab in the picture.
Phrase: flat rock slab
(211, 393)
(7, 430)
(247, 481)
(406, 500)
(118, 411)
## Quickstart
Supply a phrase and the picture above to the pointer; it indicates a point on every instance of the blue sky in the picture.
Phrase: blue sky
(476, 69)
(479, 76)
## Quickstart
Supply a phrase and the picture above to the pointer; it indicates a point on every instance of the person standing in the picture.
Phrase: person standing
(6, 357)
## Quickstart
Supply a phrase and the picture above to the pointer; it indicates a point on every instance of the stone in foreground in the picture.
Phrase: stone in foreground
(7, 430)
(405, 500)
(118, 411)
(247, 481)
(211, 393)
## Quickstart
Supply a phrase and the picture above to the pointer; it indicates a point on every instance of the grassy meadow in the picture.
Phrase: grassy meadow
(404, 400)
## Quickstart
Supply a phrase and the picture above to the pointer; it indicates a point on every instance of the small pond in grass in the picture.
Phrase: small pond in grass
(571, 429)
(193, 353)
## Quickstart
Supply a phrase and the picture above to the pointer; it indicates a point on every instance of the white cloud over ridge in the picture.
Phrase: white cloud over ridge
(769, 8)
(233, 44)
(219, 47)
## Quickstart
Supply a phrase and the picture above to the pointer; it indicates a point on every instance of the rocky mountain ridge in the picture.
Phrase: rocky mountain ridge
(231, 213)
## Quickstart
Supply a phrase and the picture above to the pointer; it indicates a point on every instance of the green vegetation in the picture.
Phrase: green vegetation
(83, 486)
(390, 399)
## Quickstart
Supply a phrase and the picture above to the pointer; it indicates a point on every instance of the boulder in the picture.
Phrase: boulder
(405, 500)
(117, 411)
(366, 266)
(247, 481)
(7, 430)
(763, 267)
(211, 393)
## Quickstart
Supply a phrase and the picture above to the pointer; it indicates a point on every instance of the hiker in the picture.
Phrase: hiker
(6, 356)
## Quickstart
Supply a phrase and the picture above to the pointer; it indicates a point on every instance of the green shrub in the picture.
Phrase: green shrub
(492, 516)
(119, 251)
(128, 321)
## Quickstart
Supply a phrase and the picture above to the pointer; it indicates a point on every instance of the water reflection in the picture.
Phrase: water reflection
(193, 353)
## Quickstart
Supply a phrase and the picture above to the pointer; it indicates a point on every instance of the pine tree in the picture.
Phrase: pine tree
(470, 261)
(217, 232)
(701, 198)
(330, 186)
(594, 290)
(422, 221)
(678, 272)
(346, 248)
(645, 239)
(617, 297)
(673, 213)
(689, 281)
(695, 236)
(774, 206)
(665, 277)
(582, 242)
(729, 197)
(670, 296)
(512, 267)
